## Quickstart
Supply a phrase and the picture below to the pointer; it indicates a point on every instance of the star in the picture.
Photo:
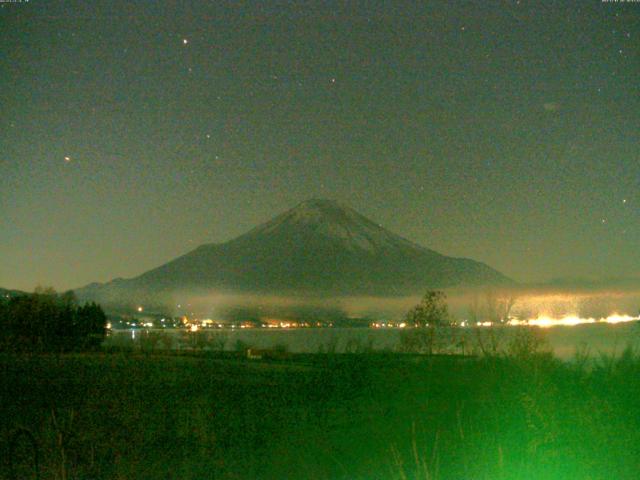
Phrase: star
(185, 41)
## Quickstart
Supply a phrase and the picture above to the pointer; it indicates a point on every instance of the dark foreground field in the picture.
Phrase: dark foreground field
(358, 416)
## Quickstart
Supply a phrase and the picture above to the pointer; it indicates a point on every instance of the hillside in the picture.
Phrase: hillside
(320, 247)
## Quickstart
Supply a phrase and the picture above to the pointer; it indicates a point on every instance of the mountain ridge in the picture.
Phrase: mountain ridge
(319, 247)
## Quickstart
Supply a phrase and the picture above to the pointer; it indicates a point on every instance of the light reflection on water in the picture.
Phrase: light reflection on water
(564, 339)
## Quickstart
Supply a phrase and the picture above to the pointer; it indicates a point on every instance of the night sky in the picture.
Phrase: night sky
(131, 132)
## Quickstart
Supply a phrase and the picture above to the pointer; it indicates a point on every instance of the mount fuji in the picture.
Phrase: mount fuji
(320, 247)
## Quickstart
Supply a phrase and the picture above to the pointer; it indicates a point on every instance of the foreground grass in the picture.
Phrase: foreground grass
(360, 416)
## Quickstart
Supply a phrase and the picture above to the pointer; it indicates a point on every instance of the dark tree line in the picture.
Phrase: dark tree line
(48, 321)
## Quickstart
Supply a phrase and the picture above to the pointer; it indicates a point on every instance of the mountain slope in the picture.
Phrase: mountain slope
(319, 247)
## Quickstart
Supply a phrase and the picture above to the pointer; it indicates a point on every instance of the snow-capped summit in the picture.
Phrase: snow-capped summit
(334, 221)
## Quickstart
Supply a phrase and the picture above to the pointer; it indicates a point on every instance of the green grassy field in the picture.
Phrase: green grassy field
(359, 416)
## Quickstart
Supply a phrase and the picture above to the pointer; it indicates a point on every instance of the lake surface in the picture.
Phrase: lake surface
(564, 341)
